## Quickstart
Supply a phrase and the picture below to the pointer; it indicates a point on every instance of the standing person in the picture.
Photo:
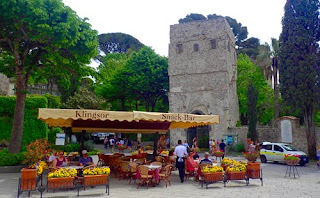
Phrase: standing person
(168, 142)
(222, 146)
(111, 141)
(213, 145)
(105, 142)
(180, 151)
(194, 142)
(129, 144)
(186, 145)
(251, 147)
(210, 145)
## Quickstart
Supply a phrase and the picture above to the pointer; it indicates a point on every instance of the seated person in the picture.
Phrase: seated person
(192, 166)
(60, 160)
(85, 160)
(206, 159)
(196, 156)
(53, 156)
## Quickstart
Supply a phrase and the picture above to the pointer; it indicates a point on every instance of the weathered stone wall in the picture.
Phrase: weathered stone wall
(271, 134)
(203, 73)
(4, 84)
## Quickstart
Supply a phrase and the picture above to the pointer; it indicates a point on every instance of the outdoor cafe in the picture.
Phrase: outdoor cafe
(131, 167)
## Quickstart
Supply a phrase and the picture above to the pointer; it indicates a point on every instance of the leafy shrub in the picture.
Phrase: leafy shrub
(33, 128)
(37, 150)
(88, 145)
(240, 148)
(11, 159)
(68, 148)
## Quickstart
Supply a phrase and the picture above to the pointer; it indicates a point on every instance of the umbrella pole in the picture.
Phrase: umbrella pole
(155, 144)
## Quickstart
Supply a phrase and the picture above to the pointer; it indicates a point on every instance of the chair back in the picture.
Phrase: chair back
(143, 170)
(124, 166)
(168, 169)
(140, 160)
(133, 167)
(158, 159)
(156, 163)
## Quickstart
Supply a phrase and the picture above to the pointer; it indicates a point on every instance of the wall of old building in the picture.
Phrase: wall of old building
(203, 73)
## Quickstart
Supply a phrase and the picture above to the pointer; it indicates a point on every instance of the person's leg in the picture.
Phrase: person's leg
(180, 166)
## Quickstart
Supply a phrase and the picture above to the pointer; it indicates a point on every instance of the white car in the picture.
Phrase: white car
(276, 152)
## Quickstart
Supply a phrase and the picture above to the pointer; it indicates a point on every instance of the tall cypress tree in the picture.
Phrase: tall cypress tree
(252, 112)
(299, 62)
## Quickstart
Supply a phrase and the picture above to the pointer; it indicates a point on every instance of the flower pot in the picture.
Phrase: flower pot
(218, 154)
(253, 166)
(292, 162)
(94, 180)
(224, 166)
(212, 177)
(253, 174)
(236, 175)
(28, 179)
(60, 182)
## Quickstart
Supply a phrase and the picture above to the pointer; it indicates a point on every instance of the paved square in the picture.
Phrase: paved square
(274, 185)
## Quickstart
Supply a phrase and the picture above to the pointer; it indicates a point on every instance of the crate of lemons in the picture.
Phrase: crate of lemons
(97, 171)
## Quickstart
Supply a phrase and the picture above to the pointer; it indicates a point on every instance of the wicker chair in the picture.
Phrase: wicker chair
(145, 178)
(101, 161)
(124, 170)
(159, 159)
(156, 163)
(133, 170)
(165, 176)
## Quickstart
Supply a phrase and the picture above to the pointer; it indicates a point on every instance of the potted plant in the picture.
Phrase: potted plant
(218, 153)
(236, 170)
(226, 162)
(291, 160)
(62, 178)
(212, 174)
(253, 167)
(96, 176)
(36, 151)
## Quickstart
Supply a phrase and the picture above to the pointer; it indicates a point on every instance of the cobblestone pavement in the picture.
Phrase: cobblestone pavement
(274, 185)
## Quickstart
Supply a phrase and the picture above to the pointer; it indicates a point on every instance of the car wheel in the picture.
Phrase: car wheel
(263, 159)
(302, 163)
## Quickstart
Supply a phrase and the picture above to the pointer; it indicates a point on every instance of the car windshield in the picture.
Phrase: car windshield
(289, 148)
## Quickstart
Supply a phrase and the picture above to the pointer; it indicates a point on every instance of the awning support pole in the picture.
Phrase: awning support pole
(155, 144)
(82, 141)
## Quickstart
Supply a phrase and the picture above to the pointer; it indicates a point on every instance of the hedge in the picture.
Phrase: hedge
(33, 128)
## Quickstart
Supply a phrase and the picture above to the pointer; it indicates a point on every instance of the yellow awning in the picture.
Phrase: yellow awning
(119, 121)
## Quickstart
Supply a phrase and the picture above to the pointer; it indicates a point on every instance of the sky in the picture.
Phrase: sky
(149, 20)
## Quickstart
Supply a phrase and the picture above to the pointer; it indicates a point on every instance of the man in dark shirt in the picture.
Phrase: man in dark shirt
(85, 160)
(222, 146)
(206, 159)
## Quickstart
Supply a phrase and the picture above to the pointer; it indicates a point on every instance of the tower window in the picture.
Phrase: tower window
(179, 49)
(213, 43)
(196, 47)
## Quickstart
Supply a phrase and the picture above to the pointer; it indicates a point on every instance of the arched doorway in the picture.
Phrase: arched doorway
(201, 133)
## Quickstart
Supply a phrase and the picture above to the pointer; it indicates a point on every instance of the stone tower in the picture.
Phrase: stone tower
(203, 74)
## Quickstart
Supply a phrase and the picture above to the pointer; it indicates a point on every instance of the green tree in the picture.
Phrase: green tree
(118, 43)
(299, 60)
(85, 99)
(252, 112)
(41, 34)
(147, 75)
(248, 73)
(111, 81)
(275, 70)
